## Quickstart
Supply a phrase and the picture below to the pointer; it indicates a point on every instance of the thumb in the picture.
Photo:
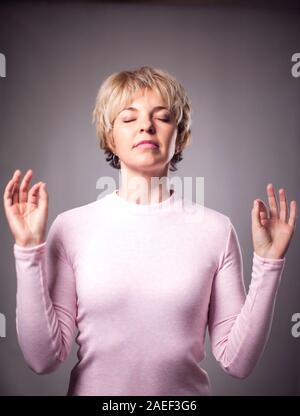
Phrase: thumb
(43, 195)
(255, 214)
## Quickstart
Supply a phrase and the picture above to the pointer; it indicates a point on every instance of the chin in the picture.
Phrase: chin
(151, 169)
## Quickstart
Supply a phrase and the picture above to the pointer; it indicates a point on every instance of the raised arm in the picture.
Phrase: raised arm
(46, 293)
(239, 324)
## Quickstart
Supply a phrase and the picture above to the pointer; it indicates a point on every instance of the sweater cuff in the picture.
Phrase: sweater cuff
(270, 263)
(23, 252)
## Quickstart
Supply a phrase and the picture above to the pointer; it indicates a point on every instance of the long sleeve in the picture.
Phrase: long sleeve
(45, 302)
(239, 325)
(142, 316)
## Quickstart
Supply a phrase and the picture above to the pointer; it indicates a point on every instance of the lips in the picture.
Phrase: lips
(148, 142)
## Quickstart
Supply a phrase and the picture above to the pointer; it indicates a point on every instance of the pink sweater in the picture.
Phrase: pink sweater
(141, 283)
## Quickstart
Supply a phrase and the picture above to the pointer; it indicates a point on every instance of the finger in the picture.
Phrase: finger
(262, 208)
(263, 213)
(43, 196)
(255, 214)
(33, 194)
(23, 194)
(15, 191)
(38, 195)
(15, 196)
(272, 201)
(293, 213)
(283, 205)
(8, 191)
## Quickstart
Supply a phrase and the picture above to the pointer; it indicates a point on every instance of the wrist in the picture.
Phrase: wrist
(269, 256)
(28, 244)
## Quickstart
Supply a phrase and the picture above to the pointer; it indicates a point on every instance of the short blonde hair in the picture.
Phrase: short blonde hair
(119, 89)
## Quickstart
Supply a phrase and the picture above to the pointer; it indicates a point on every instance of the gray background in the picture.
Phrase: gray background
(235, 63)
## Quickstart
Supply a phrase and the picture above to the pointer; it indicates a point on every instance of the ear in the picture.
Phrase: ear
(177, 148)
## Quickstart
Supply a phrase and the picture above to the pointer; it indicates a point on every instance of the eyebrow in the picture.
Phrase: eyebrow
(154, 109)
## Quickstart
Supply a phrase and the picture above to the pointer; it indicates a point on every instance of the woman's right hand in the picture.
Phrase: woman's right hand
(26, 211)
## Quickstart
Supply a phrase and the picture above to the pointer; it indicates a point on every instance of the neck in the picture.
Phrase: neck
(144, 188)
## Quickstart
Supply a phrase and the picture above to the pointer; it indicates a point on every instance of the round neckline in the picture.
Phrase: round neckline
(156, 207)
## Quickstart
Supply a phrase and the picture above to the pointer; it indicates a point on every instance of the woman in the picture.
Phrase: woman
(139, 281)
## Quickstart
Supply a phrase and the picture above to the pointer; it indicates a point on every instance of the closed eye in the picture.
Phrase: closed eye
(162, 119)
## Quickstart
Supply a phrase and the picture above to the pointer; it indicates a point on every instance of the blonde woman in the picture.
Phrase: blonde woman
(132, 272)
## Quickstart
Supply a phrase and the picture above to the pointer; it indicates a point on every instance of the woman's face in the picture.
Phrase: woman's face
(146, 119)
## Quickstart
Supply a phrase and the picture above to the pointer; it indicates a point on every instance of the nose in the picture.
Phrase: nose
(147, 125)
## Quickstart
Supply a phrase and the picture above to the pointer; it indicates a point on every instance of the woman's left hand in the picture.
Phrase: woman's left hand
(272, 232)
